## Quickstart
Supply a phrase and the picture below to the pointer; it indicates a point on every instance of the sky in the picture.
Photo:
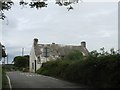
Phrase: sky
(93, 22)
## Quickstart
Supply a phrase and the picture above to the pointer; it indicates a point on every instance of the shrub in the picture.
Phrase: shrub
(102, 71)
(74, 55)
(21, 62)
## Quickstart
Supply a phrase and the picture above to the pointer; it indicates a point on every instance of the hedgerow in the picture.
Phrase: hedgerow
(102, 71)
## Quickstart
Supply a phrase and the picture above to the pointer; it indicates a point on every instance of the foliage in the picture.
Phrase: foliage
(54, 68)
(7, 4)
(74, 55)
(96, 70)
(65, 3)
(8, 67)
(21, 62)
(38, 4)
(4, 5)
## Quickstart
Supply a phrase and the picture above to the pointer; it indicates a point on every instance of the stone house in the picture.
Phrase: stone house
(41, 53)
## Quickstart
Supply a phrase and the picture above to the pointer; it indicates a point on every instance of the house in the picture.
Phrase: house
(41, 53)
(2, 51)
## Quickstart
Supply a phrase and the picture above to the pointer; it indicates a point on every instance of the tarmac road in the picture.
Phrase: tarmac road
(32, 80)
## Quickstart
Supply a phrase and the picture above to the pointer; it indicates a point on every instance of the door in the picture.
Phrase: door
(35, 66)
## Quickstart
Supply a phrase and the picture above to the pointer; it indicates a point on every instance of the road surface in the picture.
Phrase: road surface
(32, 80)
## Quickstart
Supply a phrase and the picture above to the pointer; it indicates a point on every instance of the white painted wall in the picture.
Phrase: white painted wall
(32, 60)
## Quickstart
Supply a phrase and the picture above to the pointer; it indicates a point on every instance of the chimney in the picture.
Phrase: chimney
(53, 43)
(35, 41)
(83, 44)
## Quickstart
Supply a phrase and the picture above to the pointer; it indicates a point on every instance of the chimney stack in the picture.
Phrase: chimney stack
(53, 43)
(83, 44)
(35, 41)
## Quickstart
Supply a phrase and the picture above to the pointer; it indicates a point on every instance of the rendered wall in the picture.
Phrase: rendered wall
(32, 60)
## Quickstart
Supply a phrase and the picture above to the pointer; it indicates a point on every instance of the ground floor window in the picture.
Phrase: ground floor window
(32, 65)
(39, 60)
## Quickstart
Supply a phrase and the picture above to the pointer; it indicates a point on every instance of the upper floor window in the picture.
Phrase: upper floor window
(46, 52)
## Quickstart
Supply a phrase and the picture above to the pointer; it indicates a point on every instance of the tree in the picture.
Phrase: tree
(4, 5)
(94, 53)
(112, 51)
(21, 61)
(102, 50)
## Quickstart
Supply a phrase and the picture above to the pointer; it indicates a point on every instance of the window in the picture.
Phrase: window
(32, 65)
(39, 60)
(46, 52)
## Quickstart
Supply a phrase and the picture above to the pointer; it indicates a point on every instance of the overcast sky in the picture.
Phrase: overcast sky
(93, 22)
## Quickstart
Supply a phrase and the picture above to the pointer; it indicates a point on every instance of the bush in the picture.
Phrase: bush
(103, 71)
(54, 68)
(74, 55)
(21, 62)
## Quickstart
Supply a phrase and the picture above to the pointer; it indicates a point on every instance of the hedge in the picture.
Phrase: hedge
(103, 72)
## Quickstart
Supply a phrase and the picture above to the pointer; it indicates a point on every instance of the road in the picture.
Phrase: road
(32, 80)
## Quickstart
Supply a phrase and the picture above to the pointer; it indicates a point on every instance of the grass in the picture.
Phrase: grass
(4, 79)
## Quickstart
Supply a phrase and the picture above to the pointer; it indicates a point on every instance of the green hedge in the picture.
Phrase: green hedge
(101, 71)
(54, 68)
